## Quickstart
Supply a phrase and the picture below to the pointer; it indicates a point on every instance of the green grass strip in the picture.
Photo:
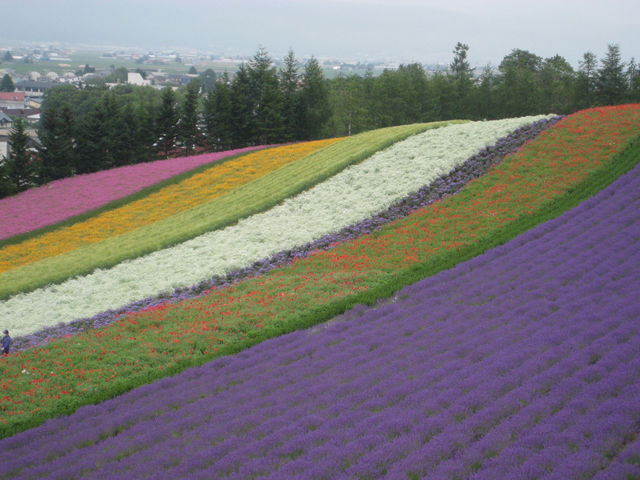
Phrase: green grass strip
(249, 199)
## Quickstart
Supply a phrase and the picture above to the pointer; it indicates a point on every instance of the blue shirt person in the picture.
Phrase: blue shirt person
(6, 342)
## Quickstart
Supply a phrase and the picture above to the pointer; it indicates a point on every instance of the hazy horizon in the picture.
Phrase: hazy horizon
(395, 30)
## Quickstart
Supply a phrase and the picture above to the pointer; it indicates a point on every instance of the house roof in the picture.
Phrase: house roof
(36, 84)
(20, 112)
(4, 118)
(12, 96)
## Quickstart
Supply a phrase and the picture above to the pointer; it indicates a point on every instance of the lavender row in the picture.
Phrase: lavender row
(447, 185)
(521, 363)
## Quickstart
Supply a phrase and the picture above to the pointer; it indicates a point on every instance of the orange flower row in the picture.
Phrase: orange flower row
(194, 191)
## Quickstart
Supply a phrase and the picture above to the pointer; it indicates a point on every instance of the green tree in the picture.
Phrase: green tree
(208, 80)
(92, 151)
(557, 79)
(6, 84)
(56, 144)
(242, 108)
(518, 87)
(167, 122)
(633, 81)
(7, 57)
(265, 99)
(147, 131)
(125, 140)
(415, 89)
(348, 104)
(586, 81)
(315, 112)
(611, 86)
(289, 79)
(521, 59)
(188, 126)
(6, 187)
(462, 79)
(483, 101)
(21, 167)
(218, 115)
(119, 75)
(443, 104)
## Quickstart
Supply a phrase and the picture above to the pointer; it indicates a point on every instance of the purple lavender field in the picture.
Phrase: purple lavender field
(523, 363)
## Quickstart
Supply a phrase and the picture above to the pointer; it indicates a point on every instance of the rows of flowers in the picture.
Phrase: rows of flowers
(347, 198)
(161, 340)
(247, 199)
(195, 190)
(61, 199)
(523, 363)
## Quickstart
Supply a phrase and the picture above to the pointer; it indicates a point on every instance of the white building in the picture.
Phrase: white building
(134, 78)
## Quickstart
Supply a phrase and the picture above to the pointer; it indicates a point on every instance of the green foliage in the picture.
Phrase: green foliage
(167, 122)
(208, 80)
(21, 169)
(6, 84)
(314, 106)
(218, 116)
(92, 138)
(56, 138)
(188, 126)
(610, 83)
(263, 105)
(289, 78)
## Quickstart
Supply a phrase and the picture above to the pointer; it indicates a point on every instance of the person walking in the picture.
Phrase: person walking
(6, 342)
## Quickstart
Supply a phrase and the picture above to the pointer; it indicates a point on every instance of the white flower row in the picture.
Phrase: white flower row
(352, 195)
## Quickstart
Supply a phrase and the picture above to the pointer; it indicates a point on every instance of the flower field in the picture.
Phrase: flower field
(522, 360)
(191, 192)
(65, 198)
(523, 363)
(246, 199)
(351, 196)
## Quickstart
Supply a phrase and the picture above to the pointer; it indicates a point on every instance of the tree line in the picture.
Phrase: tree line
(90, 129)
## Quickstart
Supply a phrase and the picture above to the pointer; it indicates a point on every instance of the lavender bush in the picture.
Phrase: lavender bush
(472, 168)
(522, 363)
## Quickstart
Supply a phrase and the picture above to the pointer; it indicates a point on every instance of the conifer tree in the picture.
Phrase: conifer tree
(315, 111)
(167, 122)
(266, 99)
(188, 130)
(56, 144)
(21, 168)
(611, 85)
(6, 84)
(586, 80)
(218, 116)
(289, 79)
(92, 152)
(242, 109)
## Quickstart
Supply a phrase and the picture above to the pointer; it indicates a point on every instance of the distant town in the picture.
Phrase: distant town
(34, 69)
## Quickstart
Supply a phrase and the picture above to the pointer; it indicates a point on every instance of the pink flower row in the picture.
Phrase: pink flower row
(61, 199)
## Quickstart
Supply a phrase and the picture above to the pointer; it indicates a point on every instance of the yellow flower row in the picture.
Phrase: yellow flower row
(168, 201)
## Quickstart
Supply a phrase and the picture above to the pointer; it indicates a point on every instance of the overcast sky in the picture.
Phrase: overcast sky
(397, 30)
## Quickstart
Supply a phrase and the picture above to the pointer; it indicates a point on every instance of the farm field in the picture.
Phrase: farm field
(510, 349)
(348, 197)
(227, 207)
(524, 362)
(66, 198)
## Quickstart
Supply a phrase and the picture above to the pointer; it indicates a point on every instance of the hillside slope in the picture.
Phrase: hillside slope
(523, 362)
